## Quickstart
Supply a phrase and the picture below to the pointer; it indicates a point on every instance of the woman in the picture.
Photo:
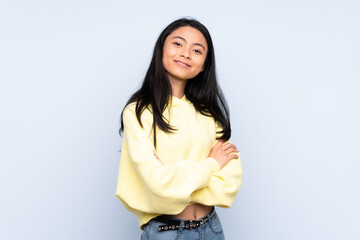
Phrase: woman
(176, 161)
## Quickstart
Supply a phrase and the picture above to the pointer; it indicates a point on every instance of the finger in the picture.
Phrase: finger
(156, 156)
(227, 146)
(231, 150)
(219, 144)
(232, 156)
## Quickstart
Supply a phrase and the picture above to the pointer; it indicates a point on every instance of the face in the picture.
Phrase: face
(184, 53)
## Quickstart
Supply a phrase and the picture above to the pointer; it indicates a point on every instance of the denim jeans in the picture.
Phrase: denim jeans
(211, 230)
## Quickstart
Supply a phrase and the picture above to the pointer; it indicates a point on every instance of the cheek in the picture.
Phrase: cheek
(165, 58)
(201, 64)
(166, 62)
(170, 52)
(167, 54)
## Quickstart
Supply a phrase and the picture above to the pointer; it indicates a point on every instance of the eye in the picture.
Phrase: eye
(177, 44)
(198, 51)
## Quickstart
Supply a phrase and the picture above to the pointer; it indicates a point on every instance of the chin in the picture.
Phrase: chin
(181, 76)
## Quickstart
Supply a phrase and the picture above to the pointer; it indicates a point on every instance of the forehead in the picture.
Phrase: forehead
(190, 34)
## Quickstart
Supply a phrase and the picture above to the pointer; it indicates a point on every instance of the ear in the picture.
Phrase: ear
(202, 69)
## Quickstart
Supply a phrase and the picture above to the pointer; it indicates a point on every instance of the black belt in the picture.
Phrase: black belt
(173, 224)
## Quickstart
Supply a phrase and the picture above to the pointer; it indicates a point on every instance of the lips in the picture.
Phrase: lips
(182, 63)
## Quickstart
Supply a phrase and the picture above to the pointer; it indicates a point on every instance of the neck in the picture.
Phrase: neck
(178, 87)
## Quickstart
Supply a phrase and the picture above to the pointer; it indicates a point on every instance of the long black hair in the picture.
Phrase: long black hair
(203, 90)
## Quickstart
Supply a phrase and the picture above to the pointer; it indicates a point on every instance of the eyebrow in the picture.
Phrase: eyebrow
(198, 44)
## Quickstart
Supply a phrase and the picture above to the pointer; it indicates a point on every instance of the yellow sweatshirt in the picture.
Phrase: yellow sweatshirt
(179, 173)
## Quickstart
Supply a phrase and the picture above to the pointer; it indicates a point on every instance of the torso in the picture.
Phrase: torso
(193, 212)
(196, 134)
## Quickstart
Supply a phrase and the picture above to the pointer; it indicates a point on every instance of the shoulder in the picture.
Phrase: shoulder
(129, 113)
(130, 108)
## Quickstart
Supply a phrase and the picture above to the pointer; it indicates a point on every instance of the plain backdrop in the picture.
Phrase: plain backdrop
(289, 70)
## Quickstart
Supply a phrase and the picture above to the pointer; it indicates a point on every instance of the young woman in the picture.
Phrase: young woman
(177, 162)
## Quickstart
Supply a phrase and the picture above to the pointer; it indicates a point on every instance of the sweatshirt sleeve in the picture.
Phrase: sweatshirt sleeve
(161, 188)
(223, 187)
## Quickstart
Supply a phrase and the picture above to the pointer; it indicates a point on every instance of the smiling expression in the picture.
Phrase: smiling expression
(184, 53)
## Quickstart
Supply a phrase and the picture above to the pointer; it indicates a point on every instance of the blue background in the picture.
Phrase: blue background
(290, 72)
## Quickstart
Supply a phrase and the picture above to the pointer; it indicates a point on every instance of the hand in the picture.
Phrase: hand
(155, 154)
(223, 153)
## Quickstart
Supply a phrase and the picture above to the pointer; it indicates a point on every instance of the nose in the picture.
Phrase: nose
(185, 55)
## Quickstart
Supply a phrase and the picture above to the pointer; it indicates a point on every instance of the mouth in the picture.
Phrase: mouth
(182, 63)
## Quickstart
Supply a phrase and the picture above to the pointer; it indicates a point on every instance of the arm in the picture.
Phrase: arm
(164, 188)
(223, 187)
